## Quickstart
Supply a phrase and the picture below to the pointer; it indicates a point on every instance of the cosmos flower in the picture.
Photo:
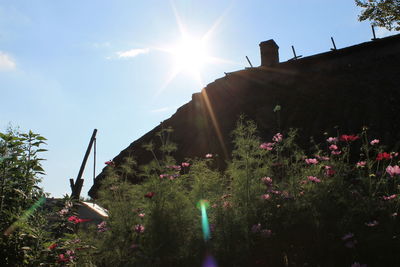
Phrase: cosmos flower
(76, 220)
(361, 164)
(393, 170)
(372, 224)
(267, 146)
(375, 141)
(329, 171)
(332, 140)
(333, 147)
(53, 246)
(139, 228)
(266, 196)
(389, 197)
(149, 194)
(267, 180)
(185, 164)
(277, 137)
(311, 161)
(313, 179)
(383, 155)
(348, 138)
(110, 163)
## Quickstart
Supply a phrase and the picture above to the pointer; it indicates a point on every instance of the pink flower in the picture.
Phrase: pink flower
(276, 192)
(102, 227)
(149, 195)
(389, 197)
(265, 196)
(175, 167)
(336, 152)
(76, 220)
(110, 163)
(63, 211)
(393, 170)
(185, 164)
(361, 164)
(332, 140)
(322, 158)
(277, 137)
(53, 246)
(313, 179)
(372, 224)
(139, 228)
(62, 258)
(267, 180)
(383, 155)
(333, 147)
(375, 141)
(141, 215)
(329, 171)
(209, 156)
(163, 176)
(311, 161)
(267, 146)
(348, 138)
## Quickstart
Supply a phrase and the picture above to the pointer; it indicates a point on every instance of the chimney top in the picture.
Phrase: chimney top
(269, 53)
(270, 42)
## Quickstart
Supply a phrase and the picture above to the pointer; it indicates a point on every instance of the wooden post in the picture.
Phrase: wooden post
(248, 60)
(373, 33)
(334, 45)
(77, 186)
(294, 53)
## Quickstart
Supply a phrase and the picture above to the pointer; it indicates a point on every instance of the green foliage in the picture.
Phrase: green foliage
(332, 205)
(383, 13)
(20, 197)
(33, 233)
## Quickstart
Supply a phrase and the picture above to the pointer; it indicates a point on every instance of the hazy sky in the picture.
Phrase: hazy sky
(67, 67)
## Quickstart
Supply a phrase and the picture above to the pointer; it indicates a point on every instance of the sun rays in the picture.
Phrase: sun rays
(191, 54)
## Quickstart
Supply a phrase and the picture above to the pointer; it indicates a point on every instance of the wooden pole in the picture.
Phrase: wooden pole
(373, 33)
(334, 45)
(77, 187)
(248, 60)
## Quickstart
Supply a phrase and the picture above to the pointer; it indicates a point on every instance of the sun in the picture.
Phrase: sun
(190, 55)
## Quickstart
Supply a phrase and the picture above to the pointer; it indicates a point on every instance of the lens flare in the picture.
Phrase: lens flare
(25, 216)
(209, 261)
(203, 204)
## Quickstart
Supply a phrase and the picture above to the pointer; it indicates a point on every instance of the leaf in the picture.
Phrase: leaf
(38, 168)
(41, 138)
(41, 150)
(20, 192)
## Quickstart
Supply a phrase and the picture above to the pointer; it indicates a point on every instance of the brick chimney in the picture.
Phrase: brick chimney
(269, 53)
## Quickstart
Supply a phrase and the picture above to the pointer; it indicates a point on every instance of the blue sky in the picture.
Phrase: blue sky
(67, 67)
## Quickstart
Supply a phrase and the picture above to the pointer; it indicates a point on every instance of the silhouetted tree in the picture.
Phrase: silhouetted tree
(382, 13)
